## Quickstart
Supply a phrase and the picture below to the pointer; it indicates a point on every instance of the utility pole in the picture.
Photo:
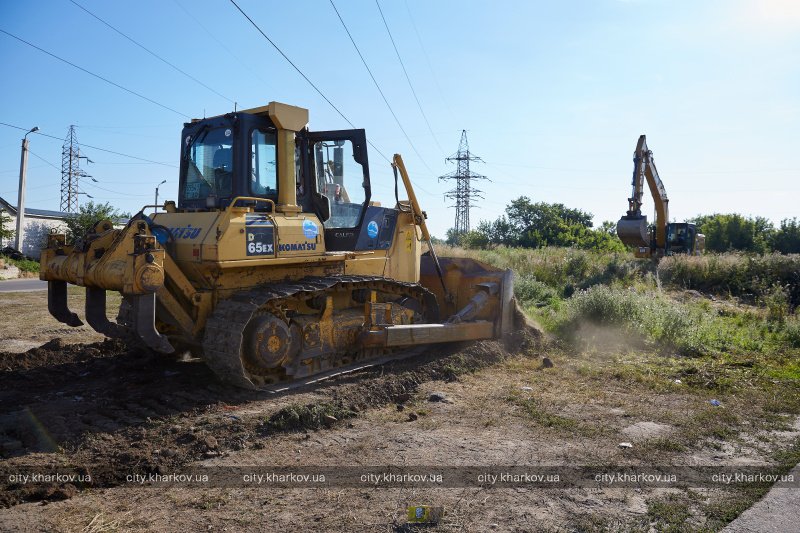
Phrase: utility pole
(157, 186)
(464, 192)
(23, 171)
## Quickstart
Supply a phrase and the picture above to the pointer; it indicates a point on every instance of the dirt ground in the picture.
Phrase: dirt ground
(27, 324)
(107, 410)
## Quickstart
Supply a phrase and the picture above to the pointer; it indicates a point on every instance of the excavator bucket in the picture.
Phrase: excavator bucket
(633, 231)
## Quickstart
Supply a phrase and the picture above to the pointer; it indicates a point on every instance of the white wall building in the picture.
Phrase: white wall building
(38, 223)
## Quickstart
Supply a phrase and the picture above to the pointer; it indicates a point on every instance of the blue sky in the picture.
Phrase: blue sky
(553, 94)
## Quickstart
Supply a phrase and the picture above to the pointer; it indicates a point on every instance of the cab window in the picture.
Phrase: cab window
(263, 164)
(341, 179)
(210, 164)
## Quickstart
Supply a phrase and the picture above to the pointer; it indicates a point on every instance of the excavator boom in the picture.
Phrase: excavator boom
(632, 228)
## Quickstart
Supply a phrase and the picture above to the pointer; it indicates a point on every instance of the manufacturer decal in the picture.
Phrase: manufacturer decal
(297, 247)
(372, 229)
(310, 229)
(185, 233)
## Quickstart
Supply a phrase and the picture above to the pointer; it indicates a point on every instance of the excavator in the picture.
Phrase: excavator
(275, 266)
(665, 238)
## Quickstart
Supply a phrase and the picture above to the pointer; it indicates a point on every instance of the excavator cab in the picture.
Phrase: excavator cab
(683, 238)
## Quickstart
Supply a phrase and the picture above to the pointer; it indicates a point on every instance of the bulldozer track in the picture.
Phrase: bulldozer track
(224, 330)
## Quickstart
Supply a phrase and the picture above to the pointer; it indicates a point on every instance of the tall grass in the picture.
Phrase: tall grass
(686, 328)
(563, 270)
(752, 277)
(568, 289)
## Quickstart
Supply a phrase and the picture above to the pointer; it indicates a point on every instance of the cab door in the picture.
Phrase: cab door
(338, 176)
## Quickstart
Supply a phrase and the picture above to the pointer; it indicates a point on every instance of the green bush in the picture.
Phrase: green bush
(25, 265)
(791, 333)
(530, 291)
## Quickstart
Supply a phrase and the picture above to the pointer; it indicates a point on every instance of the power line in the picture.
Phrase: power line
(140, 45)
(317, 89)
(110, 190)
(223, 46)
(295, 66)
(87, 183)
(275, 46)
(143, 97)
(43, 159)
(35, 187)
(379, 88)
(408, 79)
(131, 156)
(428, 61)
(92, 147)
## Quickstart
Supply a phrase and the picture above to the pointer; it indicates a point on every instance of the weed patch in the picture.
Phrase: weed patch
(304, 417)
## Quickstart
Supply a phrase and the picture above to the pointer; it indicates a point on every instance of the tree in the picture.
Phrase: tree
(535, 224)
(5, 226)
(786, 239)
(542, 224)
(79, 224)
(727, 232)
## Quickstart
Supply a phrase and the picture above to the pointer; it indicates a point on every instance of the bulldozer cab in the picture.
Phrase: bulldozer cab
(237, 154)
(225, 157)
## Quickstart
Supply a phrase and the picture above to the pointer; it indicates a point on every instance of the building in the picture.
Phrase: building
(38, 223)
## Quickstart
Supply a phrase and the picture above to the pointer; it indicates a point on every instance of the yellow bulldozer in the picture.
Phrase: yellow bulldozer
(665, 237)
(274, 264)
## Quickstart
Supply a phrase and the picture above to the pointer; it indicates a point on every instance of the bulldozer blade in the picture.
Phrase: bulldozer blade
(96, 313)
(57, 304)
(508, 304)
(144, 315)
(465, 279)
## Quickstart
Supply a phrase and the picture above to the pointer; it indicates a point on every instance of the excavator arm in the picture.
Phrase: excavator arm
(632, 228)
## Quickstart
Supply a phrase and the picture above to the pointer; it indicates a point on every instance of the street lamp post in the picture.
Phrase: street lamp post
(156, 203)
(23, 170)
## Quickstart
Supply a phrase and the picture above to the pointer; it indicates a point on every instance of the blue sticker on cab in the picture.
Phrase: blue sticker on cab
(310, 229)
(372, 229)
